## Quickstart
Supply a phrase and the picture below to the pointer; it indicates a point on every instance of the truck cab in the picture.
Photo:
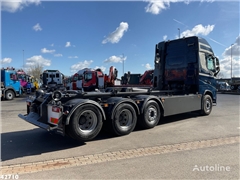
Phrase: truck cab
(93, 79)
(187, 65)
(10, 84)
(52, 79)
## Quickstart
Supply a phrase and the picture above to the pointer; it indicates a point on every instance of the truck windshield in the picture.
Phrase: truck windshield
(87, 76)
(22, 77)
(75, 78)
(80, 77)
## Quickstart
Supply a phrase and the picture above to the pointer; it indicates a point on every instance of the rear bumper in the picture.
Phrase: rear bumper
(33, 118)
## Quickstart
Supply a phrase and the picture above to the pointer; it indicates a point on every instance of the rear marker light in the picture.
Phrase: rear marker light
(66, 112)
(54, 120)
(105, 105)
(56, 109)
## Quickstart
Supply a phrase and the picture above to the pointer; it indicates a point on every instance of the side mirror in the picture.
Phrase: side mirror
(157, 58)
(157, 55)
(217, 66)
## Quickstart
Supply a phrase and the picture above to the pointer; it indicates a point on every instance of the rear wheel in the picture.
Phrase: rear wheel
(86, 123)
(9, 95)
(206, 105)
(232, 87)
(124, 120)
(151, 115)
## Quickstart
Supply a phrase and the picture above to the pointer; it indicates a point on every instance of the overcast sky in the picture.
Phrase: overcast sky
(69, 36)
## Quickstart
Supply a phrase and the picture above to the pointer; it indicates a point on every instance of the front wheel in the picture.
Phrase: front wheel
(124, 120)
(86, 123)
(9, 95)
(206, 105)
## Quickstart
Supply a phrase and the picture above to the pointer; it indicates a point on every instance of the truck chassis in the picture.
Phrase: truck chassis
(82, 115)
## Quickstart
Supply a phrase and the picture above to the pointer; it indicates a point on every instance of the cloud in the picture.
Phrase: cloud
(210, 1)
(58, 55)
(6, 60)
(233, 50)
(52, 45)
(39, 60)
(15, 5)
(148, 66)
(37, 27)
(81, 65)
(155, 7)
(101, 67)
(165, 37)
(115, 59)
(72, 57)
(116, 35)
(198, 30)
(225, 67)
(231, 58)
(44, 50)
(68, 44)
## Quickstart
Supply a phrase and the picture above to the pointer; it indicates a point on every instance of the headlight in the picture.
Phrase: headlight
(56, 95)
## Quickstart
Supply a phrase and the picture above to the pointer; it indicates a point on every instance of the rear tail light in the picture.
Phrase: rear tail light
(56, 109)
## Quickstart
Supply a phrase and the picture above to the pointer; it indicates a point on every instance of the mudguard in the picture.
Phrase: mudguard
(80, 102)
(146, 98)
(210, 93)
(116, 101)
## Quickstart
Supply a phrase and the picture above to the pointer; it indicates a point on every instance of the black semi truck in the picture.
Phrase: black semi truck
(184, 80)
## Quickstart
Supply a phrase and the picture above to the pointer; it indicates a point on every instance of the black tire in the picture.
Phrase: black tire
(151, 115)
(9, 95)
(86, 123)
(232, 87)
(206, 105)
(68, 132)
(124, 120)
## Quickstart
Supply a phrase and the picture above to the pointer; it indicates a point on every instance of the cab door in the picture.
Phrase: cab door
(207, 79)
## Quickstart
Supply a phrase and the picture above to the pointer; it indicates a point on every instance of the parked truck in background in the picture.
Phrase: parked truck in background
(77, 79)
(235, 84)
(10, 85)
(138, 79)
(23, 78)
(52, 80)
(184, 80)
(96, 79)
